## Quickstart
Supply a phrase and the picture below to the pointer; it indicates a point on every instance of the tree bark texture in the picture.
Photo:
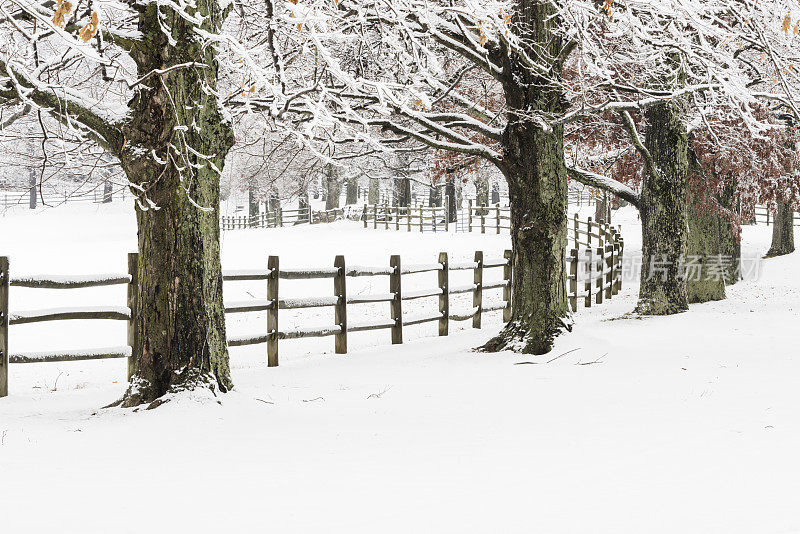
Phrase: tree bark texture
(533, 165)
(663, 210)
(403, 191)
(333, 187)
(179, 336)
(782, 230)
(352, 190)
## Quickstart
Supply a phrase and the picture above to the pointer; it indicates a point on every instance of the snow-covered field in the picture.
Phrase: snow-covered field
(686, 424)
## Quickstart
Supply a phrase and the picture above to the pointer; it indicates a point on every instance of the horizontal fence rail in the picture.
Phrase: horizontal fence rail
(593, 274)
(762, 214)
(281, 218)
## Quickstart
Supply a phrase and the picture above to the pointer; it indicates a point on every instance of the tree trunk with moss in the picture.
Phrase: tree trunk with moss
(533, 165)
(663, 288)
(333, 187)
(705, 269)
(782, 230)
(180, 323)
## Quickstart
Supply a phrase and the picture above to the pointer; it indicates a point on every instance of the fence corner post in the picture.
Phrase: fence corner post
(364, 215)
(5, 280)
(477, 293)
(507, 273)
(272, 313)
(396, 288)
(132, 301)
(340, 292)
(444, 296)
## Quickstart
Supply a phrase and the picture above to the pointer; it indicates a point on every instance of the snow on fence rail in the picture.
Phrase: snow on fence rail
(280, 218)
(599, 278)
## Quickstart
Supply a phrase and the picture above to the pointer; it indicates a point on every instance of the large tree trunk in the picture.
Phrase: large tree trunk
(705, 270)
(434, 196)
(482, 192)
(352, 190)
(403, 191)
(601, 209)
(253, 205)
(374, 195)
(450, 193)
(663, 212)
(782, 230)
(179, 340)
(537, 184)
(333, 186)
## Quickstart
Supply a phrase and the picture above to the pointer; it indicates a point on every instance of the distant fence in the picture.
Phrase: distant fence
(593, 274)
(762, 214)
(280, 218)
(92, 196)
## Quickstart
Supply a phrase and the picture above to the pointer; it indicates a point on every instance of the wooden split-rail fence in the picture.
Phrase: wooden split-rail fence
(280, 218)
(594, 273)
(421, 218)
(763, 214)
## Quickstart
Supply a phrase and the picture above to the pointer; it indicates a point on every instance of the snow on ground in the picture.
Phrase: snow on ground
(687, 424)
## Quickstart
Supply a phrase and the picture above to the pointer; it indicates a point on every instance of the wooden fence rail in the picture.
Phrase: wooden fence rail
(762, 214)
(600, 274)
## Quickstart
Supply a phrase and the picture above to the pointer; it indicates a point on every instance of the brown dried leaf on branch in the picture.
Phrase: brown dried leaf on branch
(63, 8)
(89, 31)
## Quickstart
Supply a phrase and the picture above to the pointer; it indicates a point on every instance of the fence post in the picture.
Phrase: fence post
(589, 225)
(386, 216)
(5, 280)
(573, 279)
(421, 214)
(408, 218)
(610, 267)
(576, 226)
(621, 263)
(483, 218)
(507, 270)
(469, 214)
(272, 312)
(444, 297)
(132, 299)
(340, 291)
(447, 213)
(587, 287)
(280, 216)
(397, 217)
(599, 284)
(617, 264)
(497, 217)
(364, 215)
(477, 293)
(311, 217)
(395, 287)
(375, 217)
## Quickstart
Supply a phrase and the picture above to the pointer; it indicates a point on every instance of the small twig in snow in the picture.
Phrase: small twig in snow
(593, 362)
(378, 395)
(265, 401)
(315, 399)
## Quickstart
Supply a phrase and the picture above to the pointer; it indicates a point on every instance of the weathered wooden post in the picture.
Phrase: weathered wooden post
(621, 257)
(132, 299)
(32, 190)
(395, 287)
(340, 291)
(5, 280)
(444, 296)
(279, 212)
(421, 222)
(483, 218)
(408, 218)
(497, 217)
(477, 293)
(386, 216)
(599, 283)
(573, 280)
(507, 272)
(364, 215)
(375, 217)
(272, 313)
(589, 225)
(610, 270)
(397, 218)
(587, 300)
(576, 228)
(469, 214)
(447, 213)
